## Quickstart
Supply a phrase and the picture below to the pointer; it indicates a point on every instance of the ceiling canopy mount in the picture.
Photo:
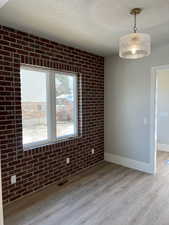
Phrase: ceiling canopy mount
(135, 11)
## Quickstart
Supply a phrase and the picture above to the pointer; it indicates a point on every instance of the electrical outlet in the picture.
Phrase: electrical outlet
(13, 179)
(92, 151)
(67, 160)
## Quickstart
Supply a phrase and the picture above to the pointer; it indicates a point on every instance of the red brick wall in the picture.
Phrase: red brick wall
(42, 166)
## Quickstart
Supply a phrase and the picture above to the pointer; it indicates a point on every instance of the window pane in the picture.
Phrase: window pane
(65, 105)
(34, 105)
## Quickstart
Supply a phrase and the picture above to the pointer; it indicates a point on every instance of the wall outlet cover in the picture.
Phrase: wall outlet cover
(67, 160)
(13, 179)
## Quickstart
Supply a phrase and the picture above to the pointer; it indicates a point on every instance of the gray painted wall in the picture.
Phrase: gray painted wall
(163, 107)
(127, 104)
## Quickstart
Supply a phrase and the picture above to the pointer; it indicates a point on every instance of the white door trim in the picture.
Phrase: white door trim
(153, 112)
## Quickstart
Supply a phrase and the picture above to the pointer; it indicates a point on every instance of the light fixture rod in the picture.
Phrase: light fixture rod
(135, 12)
(135, 26)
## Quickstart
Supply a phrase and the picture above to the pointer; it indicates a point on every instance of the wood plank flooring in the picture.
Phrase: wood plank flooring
(107, 194)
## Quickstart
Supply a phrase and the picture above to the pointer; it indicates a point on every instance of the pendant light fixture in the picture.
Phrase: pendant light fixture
(135, 45)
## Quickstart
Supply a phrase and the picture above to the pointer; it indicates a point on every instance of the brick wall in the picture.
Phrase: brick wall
(42, 166)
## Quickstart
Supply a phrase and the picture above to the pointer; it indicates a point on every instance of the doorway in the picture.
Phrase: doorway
(159, 116)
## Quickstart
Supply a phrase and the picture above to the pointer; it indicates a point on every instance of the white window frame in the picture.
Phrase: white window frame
(51, 106)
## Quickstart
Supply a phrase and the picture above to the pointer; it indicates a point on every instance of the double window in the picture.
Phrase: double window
(49, 105)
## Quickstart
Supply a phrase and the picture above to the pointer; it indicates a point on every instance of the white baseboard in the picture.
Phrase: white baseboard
(130, 163)
(163, 147)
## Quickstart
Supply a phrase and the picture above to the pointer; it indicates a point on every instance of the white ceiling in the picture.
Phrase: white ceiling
(92, 25)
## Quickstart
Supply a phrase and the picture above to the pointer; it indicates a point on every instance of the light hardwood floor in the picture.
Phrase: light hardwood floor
(104, 195)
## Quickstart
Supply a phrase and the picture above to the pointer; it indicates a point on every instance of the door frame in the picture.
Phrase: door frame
(153, 115)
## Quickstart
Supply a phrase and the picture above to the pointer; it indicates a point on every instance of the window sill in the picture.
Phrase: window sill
(37, 145)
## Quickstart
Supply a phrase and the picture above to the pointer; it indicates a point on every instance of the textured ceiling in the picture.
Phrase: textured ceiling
(92, 25)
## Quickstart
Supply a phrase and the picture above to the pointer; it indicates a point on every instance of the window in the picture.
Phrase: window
(49, 105)
(34, 106)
